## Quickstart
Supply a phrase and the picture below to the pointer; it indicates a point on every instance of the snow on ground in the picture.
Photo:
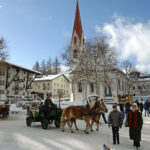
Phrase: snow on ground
(15, 135)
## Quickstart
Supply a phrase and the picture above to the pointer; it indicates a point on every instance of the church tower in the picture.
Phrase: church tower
(77, 47)
(77, 43)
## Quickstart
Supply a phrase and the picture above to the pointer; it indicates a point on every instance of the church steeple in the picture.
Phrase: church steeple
(77, 43)
(77, 24)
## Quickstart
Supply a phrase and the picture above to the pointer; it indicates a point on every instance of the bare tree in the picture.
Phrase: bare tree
(3, 52)
(65, 55)
(94, 64)
(36, 66)
(131, 73)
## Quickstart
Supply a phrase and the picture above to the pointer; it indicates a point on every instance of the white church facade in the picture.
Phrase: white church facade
(80, 91)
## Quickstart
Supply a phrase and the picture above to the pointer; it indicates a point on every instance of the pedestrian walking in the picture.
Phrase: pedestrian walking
(146, 107)
(135, 123)
(115, 120)
(121, 105)
(141, 106)
(104, 110)
(127, 110)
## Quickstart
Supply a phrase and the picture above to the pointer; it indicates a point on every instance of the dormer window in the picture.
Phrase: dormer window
(75, 53)
(75, 40)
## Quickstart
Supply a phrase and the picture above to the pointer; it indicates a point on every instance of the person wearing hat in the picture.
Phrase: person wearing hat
(48, 102)
(135, 123)
(115, 120)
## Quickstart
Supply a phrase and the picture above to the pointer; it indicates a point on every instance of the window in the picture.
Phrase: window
(44, 86)
(133, 87)
(8, 75)
(119, 84)
(79, 87)
(30, 79)
(122, 86)
(1, 91)
(1, 82)
(75, 52)
(2, 72)
(108, 91)
(75, 40)
(16, 92)
(91, 87)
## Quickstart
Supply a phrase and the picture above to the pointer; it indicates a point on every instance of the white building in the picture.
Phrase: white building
(57, 84)
(80, 92)
(142, 86)
(15, 80)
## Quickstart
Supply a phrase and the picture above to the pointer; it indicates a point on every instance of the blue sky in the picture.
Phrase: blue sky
(37, 29)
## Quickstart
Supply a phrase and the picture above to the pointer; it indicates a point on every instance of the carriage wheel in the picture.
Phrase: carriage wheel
(44, 124)
(57, 123)
(28, 121)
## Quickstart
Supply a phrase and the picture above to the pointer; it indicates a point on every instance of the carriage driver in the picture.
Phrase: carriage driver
(48, 102)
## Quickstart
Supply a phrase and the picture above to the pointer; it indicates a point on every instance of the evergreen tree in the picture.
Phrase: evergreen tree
(49, 66)
(3, 52)
(36, 66)
(56, 65)
(43, 67)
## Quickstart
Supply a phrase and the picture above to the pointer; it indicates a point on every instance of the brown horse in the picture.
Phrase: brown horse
(96, 118)
(71, 113)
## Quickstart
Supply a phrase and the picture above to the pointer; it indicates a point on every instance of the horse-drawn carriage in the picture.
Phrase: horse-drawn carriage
(44, 115)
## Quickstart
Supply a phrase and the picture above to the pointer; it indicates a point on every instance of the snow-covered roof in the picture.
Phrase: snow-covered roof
(49, 77)
(144, 79)
(24, 68)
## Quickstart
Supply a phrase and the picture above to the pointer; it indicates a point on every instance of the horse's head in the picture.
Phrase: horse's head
(97, 106)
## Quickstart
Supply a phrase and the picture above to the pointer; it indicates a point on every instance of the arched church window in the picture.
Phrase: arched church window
(75, 53)
(108, 91)
(91, 87)
(75, 40)
(80, 87)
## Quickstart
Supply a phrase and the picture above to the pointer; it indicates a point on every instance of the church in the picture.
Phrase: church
(80, 92)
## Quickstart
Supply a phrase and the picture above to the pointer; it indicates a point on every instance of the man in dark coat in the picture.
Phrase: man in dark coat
(127, 110)
(48, 102)
(146, 107)
(135, 123)
(115, 119)
(141, 107)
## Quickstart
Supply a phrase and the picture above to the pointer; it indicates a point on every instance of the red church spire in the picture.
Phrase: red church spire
(77, 23)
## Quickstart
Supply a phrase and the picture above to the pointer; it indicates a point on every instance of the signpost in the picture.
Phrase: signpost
(60, 95)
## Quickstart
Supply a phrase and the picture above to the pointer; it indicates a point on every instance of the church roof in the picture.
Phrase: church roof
(77, 23)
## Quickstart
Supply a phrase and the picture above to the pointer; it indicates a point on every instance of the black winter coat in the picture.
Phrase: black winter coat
(135, 133)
